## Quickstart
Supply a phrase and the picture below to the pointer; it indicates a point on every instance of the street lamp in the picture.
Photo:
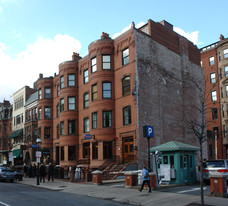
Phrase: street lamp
(38, 141)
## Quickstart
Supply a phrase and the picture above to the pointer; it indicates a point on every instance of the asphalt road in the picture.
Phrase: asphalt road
(14, 194)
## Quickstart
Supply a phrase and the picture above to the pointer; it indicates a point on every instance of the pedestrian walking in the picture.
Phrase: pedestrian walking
(51, 170)
(42, 173)
(146, 179)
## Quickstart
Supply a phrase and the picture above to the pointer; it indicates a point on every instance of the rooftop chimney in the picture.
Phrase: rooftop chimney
(105, 36)
(40, 76)
(75, 56)
(221, 37)
(167, 25)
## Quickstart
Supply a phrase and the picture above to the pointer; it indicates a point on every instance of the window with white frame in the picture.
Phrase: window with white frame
(106, 62)
(47, 113)
(125, 56)
(225, 53)
(213, 96)
(93, 65)
(71, 80)
(211, 61)
(127, 115)
(40, 94)
(86, 76)
(86, 100)
(61, 128)
(86, 125)
(62, 105)
(227, 90)
(94, 120)
(61, 82)
(226, 71)
(107, 89)
(213, 80)
(47, 93)
(71, 103)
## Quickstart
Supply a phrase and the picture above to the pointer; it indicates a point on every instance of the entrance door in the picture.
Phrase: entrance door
(128, 149)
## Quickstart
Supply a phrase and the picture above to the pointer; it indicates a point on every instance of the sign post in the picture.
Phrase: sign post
(148, 131)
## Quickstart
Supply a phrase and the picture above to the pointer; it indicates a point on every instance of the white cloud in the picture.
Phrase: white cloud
(43, 56)
(126, 29)
(192, 36)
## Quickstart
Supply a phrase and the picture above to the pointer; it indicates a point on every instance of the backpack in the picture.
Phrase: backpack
(147, 175)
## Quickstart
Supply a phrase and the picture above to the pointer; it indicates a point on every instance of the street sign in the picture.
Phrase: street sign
(88, 136)
(38, 159)
(38, 154)
(148, 131)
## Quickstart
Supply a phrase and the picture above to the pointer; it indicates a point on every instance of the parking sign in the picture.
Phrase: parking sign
(148, 131)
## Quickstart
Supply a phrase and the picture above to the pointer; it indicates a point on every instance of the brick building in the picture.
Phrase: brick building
(5, 130)
(93, 111)
(214, 60)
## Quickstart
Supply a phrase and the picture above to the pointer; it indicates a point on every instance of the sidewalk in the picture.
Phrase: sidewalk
(127, 196)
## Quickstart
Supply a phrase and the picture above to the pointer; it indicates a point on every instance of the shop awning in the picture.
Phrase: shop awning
(16, 153)
(16, 133)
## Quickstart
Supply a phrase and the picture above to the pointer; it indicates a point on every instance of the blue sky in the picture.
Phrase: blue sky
(37, 35)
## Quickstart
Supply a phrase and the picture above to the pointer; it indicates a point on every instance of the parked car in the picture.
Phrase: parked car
(6, 173)
(213, 167)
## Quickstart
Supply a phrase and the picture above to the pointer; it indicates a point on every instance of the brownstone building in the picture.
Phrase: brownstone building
(214, 60)
(5, 131)
(93, 112)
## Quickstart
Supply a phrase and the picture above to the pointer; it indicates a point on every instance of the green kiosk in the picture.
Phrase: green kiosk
(178, 160)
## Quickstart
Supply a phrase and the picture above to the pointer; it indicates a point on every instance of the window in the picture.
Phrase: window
(219, 56)
(62, 153)
(214, 113)
(58, 131)
(61, 128)
(71, 103)
(224, 130)
(211, 61)
(227, 90)
(106, 62)
(40, 94)
(126, 85)
(47, 93)
(94, 120)
(86, 76)
(221, 92)
(107, 119)
(47, 132)
(71, 80)
(61, 105)
(213, 78)
(225, 53)
(47, 113)
(86, 125)
(94, 65)
(94, 92)
(61, 82)
(57, 90)
(71, 153)
(226, 71)
(86, 150)
(127, 115)
(125, 55)
(86, 100)
(57, 110)
(223, 112)
(213, 96)
(71, 127)
(107, 89)
(39, 114)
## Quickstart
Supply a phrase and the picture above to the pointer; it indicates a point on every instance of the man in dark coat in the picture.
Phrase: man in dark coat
(51, 172)
(42, 173)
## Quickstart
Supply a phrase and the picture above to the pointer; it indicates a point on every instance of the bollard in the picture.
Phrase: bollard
(218, 185)
(97, 177)
(131, 179)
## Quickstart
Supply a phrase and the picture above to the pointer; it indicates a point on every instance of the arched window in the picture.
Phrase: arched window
(126, 85)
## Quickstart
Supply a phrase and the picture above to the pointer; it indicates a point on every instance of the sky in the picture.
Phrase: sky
(37, 35)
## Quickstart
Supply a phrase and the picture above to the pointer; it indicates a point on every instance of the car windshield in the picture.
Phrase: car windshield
(219, 163)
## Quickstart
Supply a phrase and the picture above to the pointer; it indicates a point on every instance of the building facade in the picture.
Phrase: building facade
(214, 59)
(5, 131)
(93, 112)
